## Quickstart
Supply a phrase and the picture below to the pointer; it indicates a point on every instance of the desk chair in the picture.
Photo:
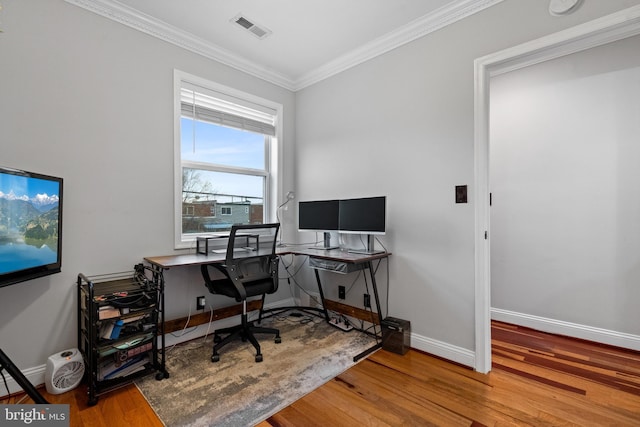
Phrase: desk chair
(246, 273)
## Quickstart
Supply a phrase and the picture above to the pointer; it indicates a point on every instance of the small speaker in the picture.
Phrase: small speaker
(396, 335)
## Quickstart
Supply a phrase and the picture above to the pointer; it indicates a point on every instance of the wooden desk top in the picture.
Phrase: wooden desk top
(168, 261)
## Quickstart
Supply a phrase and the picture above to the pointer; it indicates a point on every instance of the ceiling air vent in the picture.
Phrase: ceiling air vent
(255, 29)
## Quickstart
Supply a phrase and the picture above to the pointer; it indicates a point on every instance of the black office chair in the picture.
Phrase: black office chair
(247, 272)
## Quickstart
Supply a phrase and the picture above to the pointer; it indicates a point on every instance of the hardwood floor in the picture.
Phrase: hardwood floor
(537, 379)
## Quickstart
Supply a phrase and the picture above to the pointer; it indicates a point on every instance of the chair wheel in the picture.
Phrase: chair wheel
(215, 358)
(278, 340)
(258, 358)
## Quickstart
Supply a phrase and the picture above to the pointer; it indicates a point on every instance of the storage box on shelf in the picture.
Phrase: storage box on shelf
(119, 320)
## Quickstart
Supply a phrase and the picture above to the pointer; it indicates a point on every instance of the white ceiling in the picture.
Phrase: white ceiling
(309, 41)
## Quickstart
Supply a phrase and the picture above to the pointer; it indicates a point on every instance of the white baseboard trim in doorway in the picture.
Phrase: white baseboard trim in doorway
(559, 327)
(441, 349)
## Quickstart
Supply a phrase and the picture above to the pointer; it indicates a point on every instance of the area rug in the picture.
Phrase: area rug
(237, 391)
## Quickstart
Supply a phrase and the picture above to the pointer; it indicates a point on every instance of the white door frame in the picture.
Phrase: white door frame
(607, 29)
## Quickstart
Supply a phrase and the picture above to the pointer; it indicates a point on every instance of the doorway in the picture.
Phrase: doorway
(610, 28)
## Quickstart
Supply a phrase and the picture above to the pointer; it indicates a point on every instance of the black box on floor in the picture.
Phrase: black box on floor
(396, 335)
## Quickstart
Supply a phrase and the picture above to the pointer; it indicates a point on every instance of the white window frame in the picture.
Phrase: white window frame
(273, 183)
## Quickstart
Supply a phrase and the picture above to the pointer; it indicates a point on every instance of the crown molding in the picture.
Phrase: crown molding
(147, 24)
(429, 23)
(436, 20)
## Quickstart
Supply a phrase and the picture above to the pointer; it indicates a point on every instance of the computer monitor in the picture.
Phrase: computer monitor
(319, 215)
(365, 215)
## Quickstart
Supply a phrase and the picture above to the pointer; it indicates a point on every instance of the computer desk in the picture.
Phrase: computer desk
(351, 260)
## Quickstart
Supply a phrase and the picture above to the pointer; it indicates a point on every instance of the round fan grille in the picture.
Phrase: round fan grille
(69, 375)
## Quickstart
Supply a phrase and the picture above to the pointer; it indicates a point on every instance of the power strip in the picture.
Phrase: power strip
(340, 323)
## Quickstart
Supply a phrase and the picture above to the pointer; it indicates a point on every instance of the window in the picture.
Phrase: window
(226, 149)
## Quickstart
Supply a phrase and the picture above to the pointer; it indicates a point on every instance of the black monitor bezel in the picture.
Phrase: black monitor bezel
(363, 215)
(329, 222)
(29, 273)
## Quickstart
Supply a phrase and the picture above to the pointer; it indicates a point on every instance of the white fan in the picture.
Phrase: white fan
(64, 371)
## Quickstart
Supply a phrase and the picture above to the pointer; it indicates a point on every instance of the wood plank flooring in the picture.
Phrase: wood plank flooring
(537, 379)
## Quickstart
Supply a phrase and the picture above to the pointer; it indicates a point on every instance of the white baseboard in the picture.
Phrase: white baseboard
(443, 349)
(438, 348)
(35, 375)
(590, 333)
(559, 327)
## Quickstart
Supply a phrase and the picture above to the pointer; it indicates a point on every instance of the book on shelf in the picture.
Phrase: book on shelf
(108, 312)
(112, 370)
(133, 318)
(106, 329)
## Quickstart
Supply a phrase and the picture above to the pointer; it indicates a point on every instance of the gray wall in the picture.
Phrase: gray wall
(402, 125)
(91, 100)
(566, 189)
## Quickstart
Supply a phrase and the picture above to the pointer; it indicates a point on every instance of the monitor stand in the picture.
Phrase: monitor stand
(326, 243)
(369, 250)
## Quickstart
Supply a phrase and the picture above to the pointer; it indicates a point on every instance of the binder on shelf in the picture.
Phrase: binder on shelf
(117, 327)
(129, 343)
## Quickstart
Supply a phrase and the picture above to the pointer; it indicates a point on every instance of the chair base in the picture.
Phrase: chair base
(245, 331)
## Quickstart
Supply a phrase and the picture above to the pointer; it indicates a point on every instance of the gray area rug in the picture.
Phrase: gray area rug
(237, 391)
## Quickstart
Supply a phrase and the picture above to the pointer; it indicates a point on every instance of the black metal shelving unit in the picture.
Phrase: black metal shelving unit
(120, 317)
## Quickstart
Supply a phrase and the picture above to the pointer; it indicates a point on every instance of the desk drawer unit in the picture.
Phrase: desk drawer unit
(333, 266)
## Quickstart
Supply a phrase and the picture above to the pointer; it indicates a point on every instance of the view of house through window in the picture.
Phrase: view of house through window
(224, 159)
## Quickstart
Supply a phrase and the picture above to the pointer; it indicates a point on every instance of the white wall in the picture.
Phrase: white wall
(402, 125)
(91, 100)
(566, 189)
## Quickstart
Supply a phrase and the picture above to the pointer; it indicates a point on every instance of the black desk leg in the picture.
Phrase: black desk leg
(158, 279)
(378, 344)
(324, 309)
(367, 351)
(375, 290)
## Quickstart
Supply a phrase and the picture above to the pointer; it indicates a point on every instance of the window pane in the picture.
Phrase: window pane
(214, 201)
(221, 145)
(223, 167)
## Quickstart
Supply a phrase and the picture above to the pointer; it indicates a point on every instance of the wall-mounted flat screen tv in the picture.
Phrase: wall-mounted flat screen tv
(30, 225)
